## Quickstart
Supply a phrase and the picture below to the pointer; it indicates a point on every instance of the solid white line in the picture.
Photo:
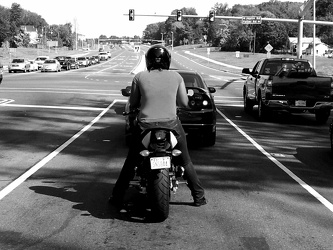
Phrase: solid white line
(9, 188)
(313, 192)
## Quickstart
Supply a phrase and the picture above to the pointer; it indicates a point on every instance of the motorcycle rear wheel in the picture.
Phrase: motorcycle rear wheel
(159, 194)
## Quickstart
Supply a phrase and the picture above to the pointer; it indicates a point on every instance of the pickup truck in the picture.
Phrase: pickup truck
(289, 84)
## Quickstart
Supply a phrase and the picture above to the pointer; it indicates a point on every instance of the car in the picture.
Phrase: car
(1, 72)
(51, 65)
(83, 61)
(40, 60)
(96, 59)
(19, 64)
(109, 54)
(331, 136)
(74, 64)
(103, 56)
(33, 65)
(63, 60)
(199, 119)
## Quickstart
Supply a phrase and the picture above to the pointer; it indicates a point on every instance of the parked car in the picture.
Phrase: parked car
(19, 64)
(40, 60)
(199, 119)
(33, 65)
(51, 65)
(83, 61)
(63, 60)
(93, 60)
(103, 56)
(331, 136)
(1, 72)
(96, 59)
(74, 64)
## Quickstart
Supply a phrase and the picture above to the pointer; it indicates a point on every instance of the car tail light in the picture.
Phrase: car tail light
(200, 101)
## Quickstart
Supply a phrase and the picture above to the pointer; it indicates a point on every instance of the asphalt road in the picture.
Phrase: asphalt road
(62, 146)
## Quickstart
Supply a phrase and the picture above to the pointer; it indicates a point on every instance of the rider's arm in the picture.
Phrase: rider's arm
(135, 95)
(182, 99)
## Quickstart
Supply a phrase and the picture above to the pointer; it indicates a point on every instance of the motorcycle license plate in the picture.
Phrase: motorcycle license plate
(300, 103)
(160, 162)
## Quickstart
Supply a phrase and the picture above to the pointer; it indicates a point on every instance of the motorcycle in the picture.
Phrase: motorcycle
(157, 172)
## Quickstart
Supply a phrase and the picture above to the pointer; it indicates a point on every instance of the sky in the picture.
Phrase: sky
(106, 17)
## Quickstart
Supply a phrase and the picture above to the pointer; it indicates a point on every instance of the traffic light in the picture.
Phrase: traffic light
(211, 16)
(131, 14)
(179, 15)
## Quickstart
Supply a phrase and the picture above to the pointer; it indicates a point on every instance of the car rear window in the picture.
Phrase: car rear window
(192, 80)
(18, 60)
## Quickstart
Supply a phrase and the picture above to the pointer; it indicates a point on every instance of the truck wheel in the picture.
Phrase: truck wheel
(262, 110)
(248, 105)
(159, 193)
(322, 115)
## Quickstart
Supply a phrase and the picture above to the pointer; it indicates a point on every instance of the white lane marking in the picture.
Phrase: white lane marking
(313, 192)
(10, 187)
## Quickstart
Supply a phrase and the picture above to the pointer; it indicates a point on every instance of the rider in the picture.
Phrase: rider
(157, 92)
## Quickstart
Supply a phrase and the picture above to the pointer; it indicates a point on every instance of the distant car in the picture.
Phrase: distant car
(197, 120)
(74, 64)
(33, 65)
(331, 136)
(83, 61)
(51, 65)
(1, 72)
(19, 64)
(109, 54)
(96, 59)
(103, 56)
(40, 60)
(63, 60)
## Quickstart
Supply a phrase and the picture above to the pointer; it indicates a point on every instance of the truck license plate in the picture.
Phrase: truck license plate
(160, 162)
(300, 103)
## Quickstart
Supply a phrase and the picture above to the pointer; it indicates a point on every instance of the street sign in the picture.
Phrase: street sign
(268, 48)
(136, 48)
(251, 20)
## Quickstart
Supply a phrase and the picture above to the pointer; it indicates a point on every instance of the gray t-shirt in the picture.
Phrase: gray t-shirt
(157, 93)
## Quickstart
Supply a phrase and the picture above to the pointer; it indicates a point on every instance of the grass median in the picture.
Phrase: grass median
(324, 65)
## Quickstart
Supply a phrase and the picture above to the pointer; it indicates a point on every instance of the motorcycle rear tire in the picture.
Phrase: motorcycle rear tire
(159, 194)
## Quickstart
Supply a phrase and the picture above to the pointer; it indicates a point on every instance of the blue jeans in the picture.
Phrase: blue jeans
(127, 173)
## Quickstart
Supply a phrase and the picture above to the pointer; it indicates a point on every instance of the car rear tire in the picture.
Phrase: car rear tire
(248, 104)
(262, 110)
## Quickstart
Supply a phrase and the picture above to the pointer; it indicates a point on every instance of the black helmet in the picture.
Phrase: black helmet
(158, 57)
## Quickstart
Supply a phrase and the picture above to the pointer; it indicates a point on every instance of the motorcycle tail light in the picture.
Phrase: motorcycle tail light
(144, 153)
(160, 135)
(176, 152)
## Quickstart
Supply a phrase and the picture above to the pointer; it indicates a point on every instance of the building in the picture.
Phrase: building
(307, 45)
(32, 31)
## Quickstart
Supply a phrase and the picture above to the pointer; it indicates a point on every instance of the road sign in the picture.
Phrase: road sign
(137, 49)
(268, 48)
(251, 20)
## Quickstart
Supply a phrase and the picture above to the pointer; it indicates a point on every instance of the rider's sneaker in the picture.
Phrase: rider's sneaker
(200, 202)
(117, 203)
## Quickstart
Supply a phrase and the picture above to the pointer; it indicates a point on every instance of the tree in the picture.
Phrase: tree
(15, 22)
